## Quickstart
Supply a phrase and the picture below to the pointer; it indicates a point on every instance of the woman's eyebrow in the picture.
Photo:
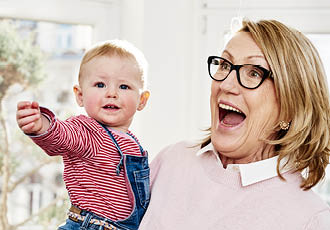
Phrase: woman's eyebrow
(228, 53)
(256, 56)
(248, 57)
(260, 59)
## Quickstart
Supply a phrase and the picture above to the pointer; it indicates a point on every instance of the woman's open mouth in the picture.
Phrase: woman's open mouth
(230, 116)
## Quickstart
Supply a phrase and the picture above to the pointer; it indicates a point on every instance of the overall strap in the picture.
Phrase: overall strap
(141, 149)
(118, 148)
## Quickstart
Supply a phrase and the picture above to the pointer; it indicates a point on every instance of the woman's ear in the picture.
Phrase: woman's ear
(143, 99)
(78, 93)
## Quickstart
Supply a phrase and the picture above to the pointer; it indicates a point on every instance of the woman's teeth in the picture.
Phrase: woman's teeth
(227, 107)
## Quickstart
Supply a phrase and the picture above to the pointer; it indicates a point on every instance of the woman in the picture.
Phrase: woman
(270, 122)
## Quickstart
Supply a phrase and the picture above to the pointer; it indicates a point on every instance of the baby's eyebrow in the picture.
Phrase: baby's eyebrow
(101, 75)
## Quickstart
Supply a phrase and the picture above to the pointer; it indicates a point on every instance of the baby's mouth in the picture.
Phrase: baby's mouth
(230, 116)
(110, 106)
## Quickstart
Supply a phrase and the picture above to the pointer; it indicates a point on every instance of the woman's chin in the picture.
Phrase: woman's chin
(228, 134)
(224, 143)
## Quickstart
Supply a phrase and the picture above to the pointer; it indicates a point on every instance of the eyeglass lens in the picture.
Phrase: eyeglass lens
(248, 75)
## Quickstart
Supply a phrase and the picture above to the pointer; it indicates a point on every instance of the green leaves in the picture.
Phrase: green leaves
(20, 60)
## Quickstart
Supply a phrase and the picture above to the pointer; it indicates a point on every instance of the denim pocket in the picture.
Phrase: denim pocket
(70, 225)
(143, 186)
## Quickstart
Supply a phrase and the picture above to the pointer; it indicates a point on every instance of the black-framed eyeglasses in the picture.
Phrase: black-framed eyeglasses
(249, 76)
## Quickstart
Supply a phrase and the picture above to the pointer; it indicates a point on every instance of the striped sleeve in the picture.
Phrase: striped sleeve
(90, 161)
(68, 137)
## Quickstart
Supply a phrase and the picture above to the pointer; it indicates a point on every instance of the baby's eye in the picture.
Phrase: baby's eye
(123, 87)
(100, 85)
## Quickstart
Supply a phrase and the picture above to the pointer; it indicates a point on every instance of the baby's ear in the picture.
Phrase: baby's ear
(78, 93)
(143, 99)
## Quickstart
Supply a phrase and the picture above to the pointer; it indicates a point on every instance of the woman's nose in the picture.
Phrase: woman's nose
(230, 84)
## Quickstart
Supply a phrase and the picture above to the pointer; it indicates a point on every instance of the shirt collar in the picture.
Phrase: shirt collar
(210, 148)
(250, 173)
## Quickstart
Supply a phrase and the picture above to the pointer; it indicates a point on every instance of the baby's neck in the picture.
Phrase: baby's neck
(118, 129)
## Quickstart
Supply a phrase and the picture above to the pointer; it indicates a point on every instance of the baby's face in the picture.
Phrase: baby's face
(110, 90)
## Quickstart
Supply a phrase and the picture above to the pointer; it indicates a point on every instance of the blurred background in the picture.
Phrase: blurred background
(45, 40)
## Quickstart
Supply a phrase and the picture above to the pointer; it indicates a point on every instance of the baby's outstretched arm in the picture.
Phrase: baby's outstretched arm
(29, 118)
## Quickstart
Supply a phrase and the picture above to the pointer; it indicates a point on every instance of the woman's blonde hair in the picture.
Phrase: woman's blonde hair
(120, 48)
(302, 92)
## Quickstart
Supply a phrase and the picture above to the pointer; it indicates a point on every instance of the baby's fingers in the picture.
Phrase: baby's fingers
(23, 105)
(29, 128)
(23, 120)
(28, 117)
(20, 114)
(35, 105)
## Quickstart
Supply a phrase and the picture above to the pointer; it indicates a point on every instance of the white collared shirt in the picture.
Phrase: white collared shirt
(252, 172)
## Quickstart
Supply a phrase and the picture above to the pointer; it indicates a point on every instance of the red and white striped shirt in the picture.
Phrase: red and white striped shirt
(90, 159)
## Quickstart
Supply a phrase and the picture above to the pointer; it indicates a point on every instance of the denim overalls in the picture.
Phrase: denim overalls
(137, 171)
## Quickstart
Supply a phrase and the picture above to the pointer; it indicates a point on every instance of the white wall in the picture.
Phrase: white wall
(166, 37)
(98, 13)
(177, 36)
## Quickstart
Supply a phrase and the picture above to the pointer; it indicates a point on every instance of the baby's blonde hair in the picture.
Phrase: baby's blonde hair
(120, 48)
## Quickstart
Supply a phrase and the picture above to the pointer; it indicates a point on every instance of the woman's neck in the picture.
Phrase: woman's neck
(261, 154)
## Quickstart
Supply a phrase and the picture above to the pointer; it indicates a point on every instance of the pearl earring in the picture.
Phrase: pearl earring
(284, 125)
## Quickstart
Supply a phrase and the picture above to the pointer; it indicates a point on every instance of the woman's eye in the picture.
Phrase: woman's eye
(123, 86)
(100, 85)
(224, 66)
(255, 74)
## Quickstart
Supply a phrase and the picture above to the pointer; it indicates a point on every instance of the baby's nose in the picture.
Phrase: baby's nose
(112, 92)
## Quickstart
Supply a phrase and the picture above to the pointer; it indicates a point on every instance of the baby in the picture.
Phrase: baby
(106, 169)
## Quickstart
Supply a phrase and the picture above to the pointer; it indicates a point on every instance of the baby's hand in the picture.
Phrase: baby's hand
(29, 118)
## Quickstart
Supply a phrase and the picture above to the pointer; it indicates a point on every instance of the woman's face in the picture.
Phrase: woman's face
(239, 135)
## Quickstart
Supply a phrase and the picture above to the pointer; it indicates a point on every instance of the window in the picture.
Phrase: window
(62, 46)
(63, 30)
(322, 44)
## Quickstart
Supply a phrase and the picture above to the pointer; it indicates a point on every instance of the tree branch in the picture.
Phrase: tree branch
(41, 211)
(5, 175)
(30, 173)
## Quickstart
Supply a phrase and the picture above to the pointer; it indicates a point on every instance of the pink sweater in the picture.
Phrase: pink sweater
(195, 192)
